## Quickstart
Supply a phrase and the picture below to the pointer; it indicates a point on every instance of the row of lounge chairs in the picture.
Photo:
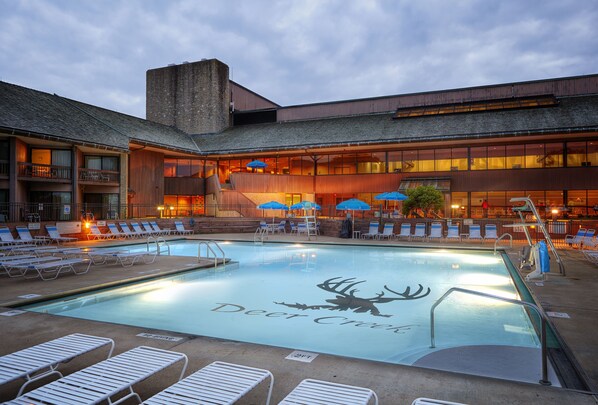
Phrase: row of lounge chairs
(216, 383)
(583, 239)
(142, 230)
(436, 232)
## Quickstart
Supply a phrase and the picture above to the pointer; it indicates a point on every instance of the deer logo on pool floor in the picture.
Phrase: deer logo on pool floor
(346, 299)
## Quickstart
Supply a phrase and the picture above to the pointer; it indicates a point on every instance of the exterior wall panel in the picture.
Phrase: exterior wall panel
(146, 177)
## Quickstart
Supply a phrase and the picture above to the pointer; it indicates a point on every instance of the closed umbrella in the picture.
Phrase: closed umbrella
(273, 205)
(353, 205)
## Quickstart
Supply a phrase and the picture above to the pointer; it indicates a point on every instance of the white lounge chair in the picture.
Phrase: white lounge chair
(139, 230)
(156, 228)
(95, 233)
(387, 231)
(217, 383)
(429, 401)
(372, 232)
(7, 239)
(115, 232)
(587, 238)
(301, 228)
(25, 235)
(453, 232)
(435, 231)
(591, 256)
(323, 392)
(420, 231)
(490, 232)
(146, 226)
(55, 236)
(577, 238)
(475, 233)
(9, 266)
(180, 228)
(127, 231)
(405, 231)
(54, 266)
(105, 379)
(282, 227)
(40, 361)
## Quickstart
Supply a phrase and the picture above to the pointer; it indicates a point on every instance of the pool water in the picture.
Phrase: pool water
(364, 302)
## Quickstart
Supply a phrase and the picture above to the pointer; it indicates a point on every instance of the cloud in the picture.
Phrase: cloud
(293, 51)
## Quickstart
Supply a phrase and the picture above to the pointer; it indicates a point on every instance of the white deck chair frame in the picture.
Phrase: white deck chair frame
(311, 391)
(453, 232)
(577, 238)
(475, 233)
(55, 236)
(139, 230)
(419, 232)
(430, 401)
(490, 232)
(156, 228)
(115, 232)
(7, 238)
(128, 231)
(40, 361)
(180, 228)
(435, 231)
(372, 232)
(101, 381)
(25, 235)
(388, 231)
(95, 233)
(21, 264)
(54, 267)
(405, 231)
(217, 383)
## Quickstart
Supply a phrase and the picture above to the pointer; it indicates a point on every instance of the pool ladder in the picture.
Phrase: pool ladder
(259, 235)
(212, 250)
(544, 380)
(160, 242)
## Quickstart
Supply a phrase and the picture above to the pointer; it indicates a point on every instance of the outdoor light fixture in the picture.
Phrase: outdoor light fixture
(87, 225)
(554, 211)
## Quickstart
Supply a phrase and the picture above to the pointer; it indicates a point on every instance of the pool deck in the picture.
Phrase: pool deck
(574, 295)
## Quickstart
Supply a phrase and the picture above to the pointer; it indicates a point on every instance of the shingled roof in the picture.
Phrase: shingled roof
(31, 112)
(572, 114)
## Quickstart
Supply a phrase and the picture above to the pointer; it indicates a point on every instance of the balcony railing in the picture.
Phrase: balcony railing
(3, 168)
(35, 171)
(98, 176)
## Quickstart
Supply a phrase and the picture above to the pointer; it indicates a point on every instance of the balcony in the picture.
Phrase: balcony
(31, 171)
(93, 176)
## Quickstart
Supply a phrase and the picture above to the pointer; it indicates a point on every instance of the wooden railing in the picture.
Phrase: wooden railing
(98, 176)
(31, 170)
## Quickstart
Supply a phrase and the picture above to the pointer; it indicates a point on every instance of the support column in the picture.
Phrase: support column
(76, 205)
(124, 186)
(13, 210)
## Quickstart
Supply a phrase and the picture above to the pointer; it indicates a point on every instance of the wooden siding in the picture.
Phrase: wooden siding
(146, 177)
(268, 183)
(558, 87)
(183, 186)
(357, 183)
(246, 100)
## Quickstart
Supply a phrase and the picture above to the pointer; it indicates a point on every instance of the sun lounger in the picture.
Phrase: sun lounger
(6, 237)
(217, 383)
(435, 231)
(475, 233)
(490, 232)
(149, 229)
(591, 256)
(453, 232)
(138, 229)
(25, 235)
(156, 228)
(17, 268)
(429, 401)
(372, 232)
(53, 266)
(56, 237)
(405, 231)
(130, 233)
(420, 231)
(387, 231)
(40, 361)
(126, 259)
(577, 238)
(115, 232)
(95, 233)
(322, 392)
(180, 228)
(105, 379)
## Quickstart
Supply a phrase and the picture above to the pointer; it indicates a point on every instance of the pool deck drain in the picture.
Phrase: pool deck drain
(394, 384)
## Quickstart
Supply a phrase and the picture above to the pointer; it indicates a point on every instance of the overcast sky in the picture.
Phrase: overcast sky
(293, 52)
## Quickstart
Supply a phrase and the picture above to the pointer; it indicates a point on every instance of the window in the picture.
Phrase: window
(409, 163)
(183, 205)
(210, 168)
(295, 165)
(395, 161)
(496, 157)
(322, 165)
(425, 161)
(479, 159)
(443, 160)
(182, 168)
(534, 156)
(554, 155)
(292, 199)
(514, 157)
(459, 159)
(576, 154)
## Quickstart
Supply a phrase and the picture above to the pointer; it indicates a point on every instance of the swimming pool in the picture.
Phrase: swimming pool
(367, 302)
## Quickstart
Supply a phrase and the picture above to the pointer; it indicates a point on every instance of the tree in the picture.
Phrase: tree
(426, 198)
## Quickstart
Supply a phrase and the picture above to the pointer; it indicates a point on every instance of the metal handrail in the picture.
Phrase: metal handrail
(544, 380)
(504, 235)
(208, 245)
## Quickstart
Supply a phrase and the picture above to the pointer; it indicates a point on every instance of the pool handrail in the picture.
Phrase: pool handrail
(544, 380)
(208, 244)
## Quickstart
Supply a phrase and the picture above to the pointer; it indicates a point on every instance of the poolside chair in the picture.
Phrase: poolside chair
(587, 238)
(429, 401)
(54, 266)
(372, 232)
(577, 238)
(453, 232)
(490, 232)
(282, 227)
(127, 231)
(293, 227)
(25, 235)
(301, 228)
(156, 228)
(7, 239)
(475, 233)
(435, 231)
(139, 230)
(591, 256)
(40, 361)
(180, 228)
(420, 231)
(105, 379)
(387, 231)
(11, 263)
(323, 392)
(55, 236)
(147, 227)
(405, 231)
(95, 233)
(115, 232)
(217, 383)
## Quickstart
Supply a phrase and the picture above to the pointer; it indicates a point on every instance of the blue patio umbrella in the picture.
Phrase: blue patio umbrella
(256, 164)
(353, 205)
(305, 205)
(391, 196)
(273, 205)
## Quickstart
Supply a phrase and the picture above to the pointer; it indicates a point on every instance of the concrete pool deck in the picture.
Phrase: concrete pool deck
(574, 295)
